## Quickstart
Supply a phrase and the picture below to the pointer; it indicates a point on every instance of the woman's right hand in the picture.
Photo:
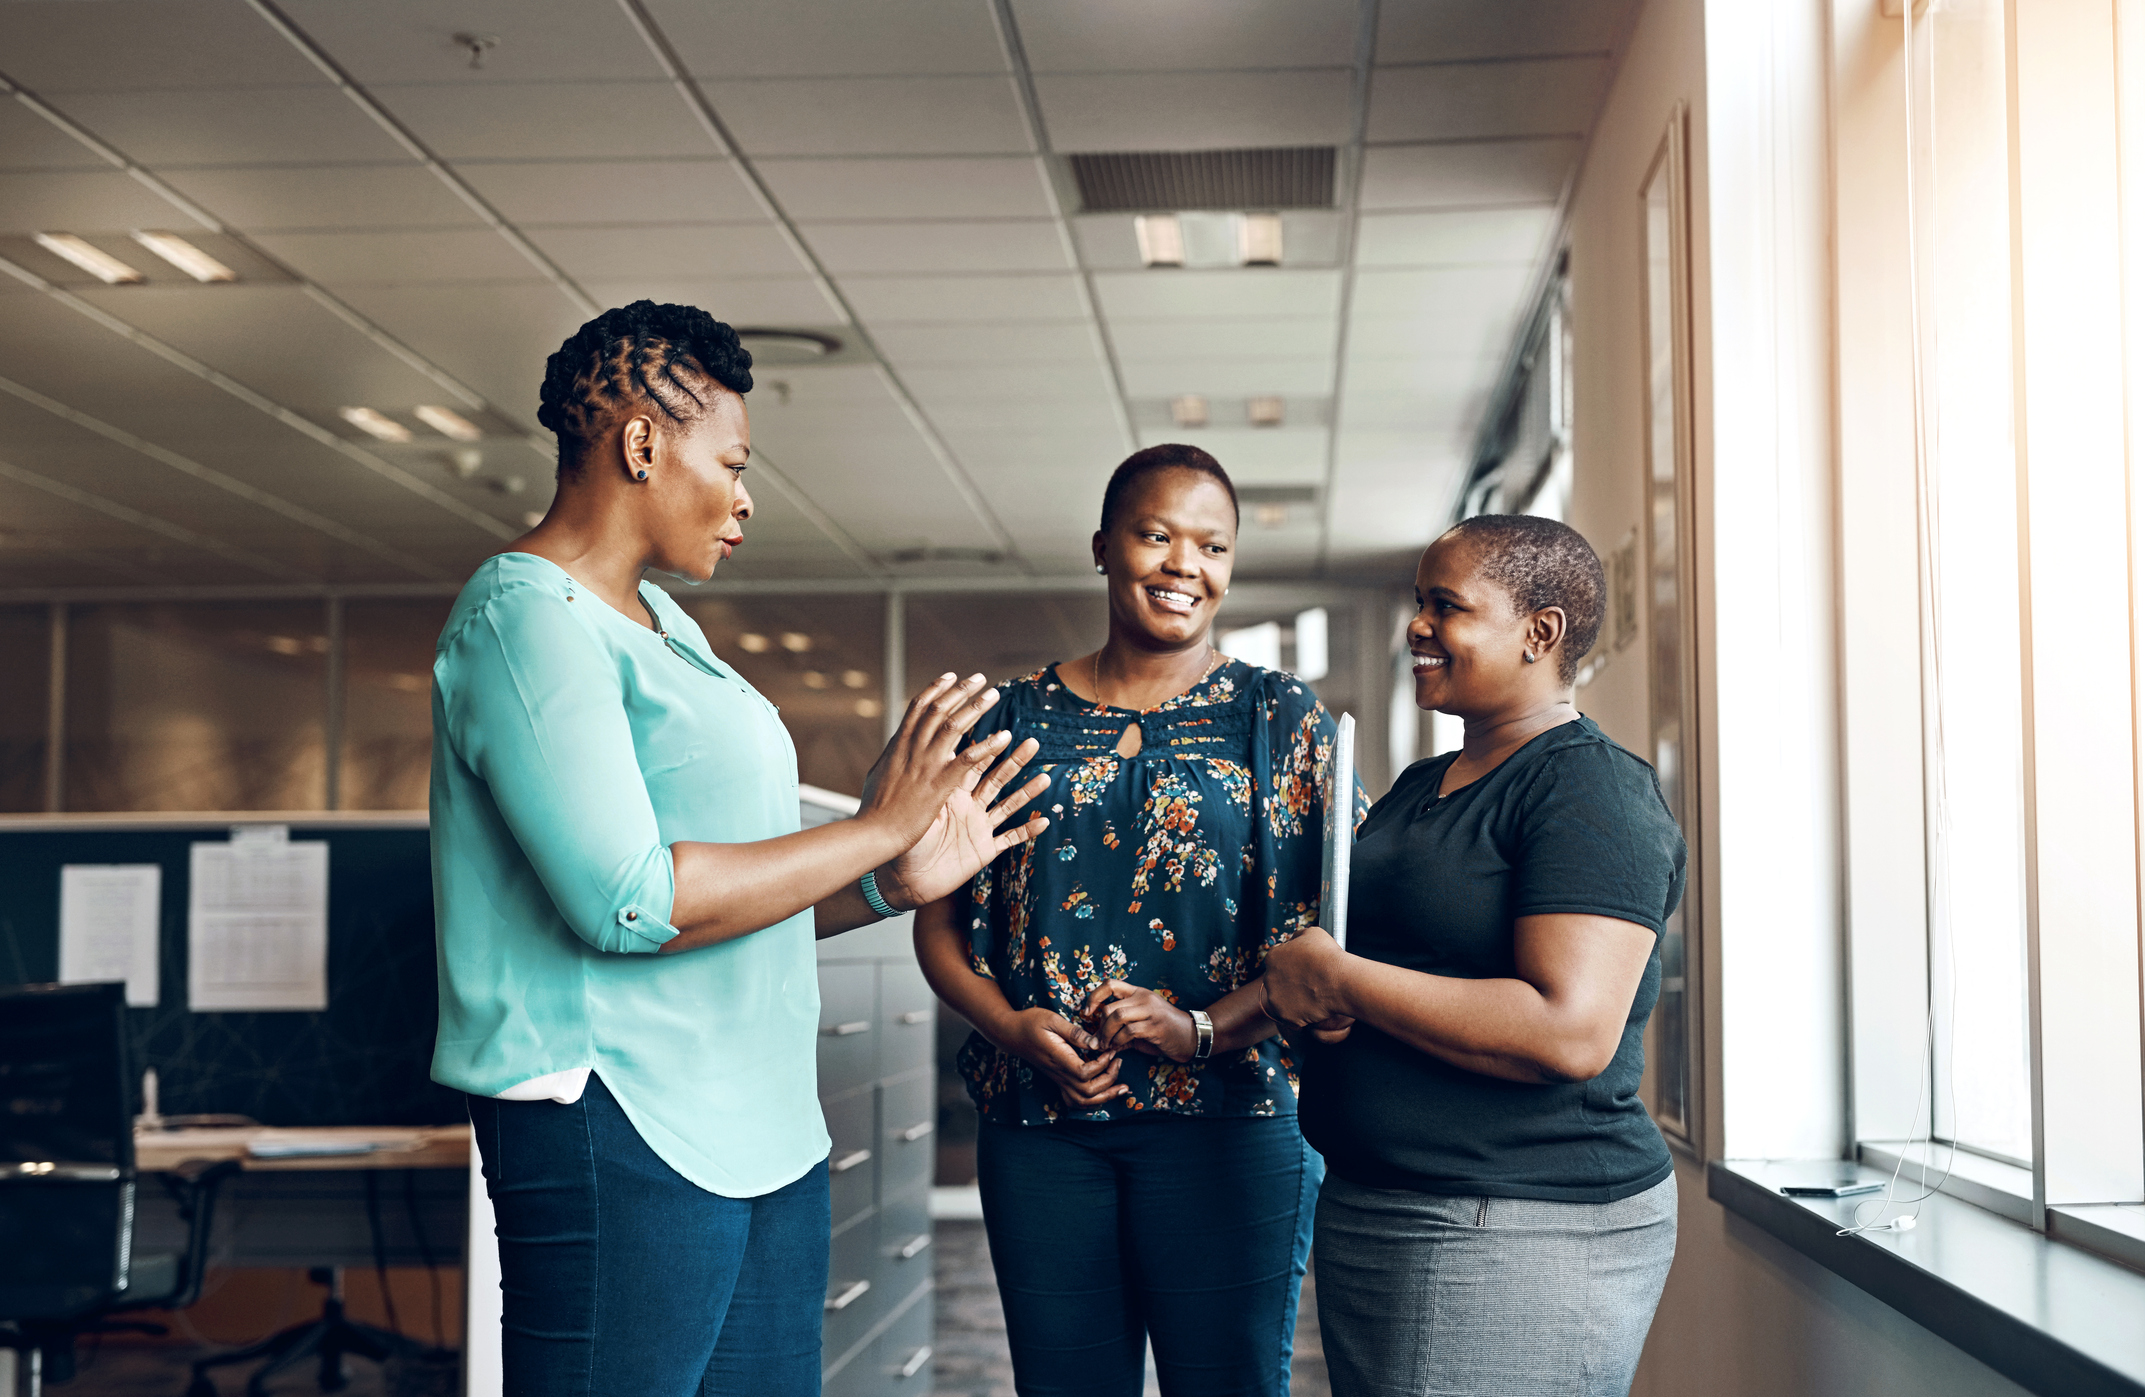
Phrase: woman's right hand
(1058, 1047)
(922, 766)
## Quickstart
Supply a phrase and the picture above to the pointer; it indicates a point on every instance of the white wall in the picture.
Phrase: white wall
(1744, 1314)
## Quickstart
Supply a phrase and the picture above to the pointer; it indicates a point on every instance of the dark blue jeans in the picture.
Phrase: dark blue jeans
(1186, 1231)
(620, 1278)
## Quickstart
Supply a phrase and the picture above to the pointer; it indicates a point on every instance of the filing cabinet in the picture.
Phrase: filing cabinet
(878, 1088)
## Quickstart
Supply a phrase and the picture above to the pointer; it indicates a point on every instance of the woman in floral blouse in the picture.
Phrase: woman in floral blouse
(1142, 1173)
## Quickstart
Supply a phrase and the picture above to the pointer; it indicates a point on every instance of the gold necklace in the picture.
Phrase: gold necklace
(1094, 670)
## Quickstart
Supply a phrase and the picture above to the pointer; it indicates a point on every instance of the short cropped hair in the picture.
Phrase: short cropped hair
(668, 356)
(1141, 464)
(1541, 563)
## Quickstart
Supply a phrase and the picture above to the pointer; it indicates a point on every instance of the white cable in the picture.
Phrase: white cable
(1930, 569)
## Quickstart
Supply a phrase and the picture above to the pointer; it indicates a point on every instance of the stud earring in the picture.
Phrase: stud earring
(640, 475)
(1530, 657)
(1100, 568)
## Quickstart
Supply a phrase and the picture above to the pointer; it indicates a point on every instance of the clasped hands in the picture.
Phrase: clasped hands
(1083, 1058)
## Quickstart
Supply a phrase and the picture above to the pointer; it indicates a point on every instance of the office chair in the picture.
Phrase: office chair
(67, 1182)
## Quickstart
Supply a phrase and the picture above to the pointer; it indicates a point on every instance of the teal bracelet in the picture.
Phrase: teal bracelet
(870, 884)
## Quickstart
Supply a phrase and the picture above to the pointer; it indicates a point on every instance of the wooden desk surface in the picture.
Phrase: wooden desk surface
(395, 1147)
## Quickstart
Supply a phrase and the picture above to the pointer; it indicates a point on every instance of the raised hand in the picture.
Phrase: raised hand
(1125, 1015)
(964, 836)
(922, 765)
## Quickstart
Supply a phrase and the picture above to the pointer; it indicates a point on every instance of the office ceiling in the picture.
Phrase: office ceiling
(410, 228)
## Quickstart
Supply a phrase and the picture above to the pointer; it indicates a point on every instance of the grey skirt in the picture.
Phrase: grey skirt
(1423, 1295)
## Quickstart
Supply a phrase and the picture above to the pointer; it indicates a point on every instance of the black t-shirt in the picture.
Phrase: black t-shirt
(1571, 822)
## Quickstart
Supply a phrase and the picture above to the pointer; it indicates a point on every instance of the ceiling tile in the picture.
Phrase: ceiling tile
(494, 337)
(550, 121)
(1218, 295)
(615, 191)
(29, 142)
(1255, 456)
(1423, 31)
(1227, 378)
(268, 198)
(1050, 342)
(235, 126)
(1092, 415)
(1139, 36)
(1464, 174)
(1008, 382)
(1195, 111)
(873, 116)
(948, 299)
(939, 247)
(387, 41)
(1466, 101)
(806, 38)
(1442, 293)
(693, 250)
(83, 202)
(760, 301)
(1272, 337)
(122, 44)
(946, 188)
(401, 258)
(1460, 238)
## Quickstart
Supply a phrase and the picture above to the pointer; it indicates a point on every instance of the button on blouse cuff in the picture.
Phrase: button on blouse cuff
(644, 927)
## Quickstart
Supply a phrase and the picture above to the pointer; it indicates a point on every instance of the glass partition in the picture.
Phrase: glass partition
(386, 749)
(25, 694)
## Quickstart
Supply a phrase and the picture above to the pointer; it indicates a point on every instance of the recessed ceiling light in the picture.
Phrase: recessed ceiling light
(796, 642)
(449, 424)
(376, 424)
(1264, 411)
(771, 347)
(1188, 411)
(854, 679)
(752, 643)
(1161, 239)
(94, 260)
(869, 708)
(1258, 240)
(185, 256)
(813, 679)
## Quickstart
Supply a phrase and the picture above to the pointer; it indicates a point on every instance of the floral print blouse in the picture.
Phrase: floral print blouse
(1176, 869)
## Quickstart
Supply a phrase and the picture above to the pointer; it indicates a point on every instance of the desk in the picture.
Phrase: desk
(396, 1147)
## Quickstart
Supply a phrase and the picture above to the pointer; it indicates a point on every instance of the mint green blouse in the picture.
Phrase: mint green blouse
(570, 749)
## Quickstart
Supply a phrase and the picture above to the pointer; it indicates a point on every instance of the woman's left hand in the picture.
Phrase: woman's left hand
(1303, 981)
(1125, 1015)
(964, 836)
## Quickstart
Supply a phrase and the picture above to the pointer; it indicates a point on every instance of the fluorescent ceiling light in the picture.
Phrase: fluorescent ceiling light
(1264, 412)
(97, 262)
(1161, 239)
(1258, 240)
(449, 424)
(376, 424)
(1189, 410)
(185, 256)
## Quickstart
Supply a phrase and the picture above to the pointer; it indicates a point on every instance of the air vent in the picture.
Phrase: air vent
(1276, 494)
(1288, 177)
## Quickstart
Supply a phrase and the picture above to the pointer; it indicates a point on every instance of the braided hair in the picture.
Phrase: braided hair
(671, 356)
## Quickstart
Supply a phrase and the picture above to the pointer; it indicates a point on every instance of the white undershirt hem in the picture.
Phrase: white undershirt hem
(563, 1087)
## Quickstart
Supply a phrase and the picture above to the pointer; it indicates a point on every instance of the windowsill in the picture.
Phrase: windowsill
(2053, 1318)
(2004, 1189)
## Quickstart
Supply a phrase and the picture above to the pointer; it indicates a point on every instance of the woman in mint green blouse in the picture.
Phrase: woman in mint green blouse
(626, 905)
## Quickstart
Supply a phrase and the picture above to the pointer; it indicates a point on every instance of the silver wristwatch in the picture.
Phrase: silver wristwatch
(1204, 1027)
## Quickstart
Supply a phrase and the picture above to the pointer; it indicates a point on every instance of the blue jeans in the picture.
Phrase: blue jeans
(620, 1278)
(1189, 1231)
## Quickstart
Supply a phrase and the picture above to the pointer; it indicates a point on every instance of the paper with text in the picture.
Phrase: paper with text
(257, 923)
(108, 926)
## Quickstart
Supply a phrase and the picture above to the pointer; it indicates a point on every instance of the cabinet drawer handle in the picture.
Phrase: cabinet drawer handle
(915, 1364)
(849, 1295)
(843, 1030)
(918, 1131)
(915, 1016)
(915, 1244)
(848, 1161)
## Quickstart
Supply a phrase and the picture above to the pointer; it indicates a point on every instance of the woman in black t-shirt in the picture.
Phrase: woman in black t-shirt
(1499, 1212)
